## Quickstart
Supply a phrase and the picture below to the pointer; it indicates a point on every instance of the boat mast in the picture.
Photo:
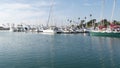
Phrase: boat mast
(50, 12)
(113, 10)
(102, 11)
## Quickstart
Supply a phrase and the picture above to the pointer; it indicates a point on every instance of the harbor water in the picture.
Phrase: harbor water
(35, 50)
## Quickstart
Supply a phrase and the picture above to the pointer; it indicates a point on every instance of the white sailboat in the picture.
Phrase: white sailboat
(51, 29)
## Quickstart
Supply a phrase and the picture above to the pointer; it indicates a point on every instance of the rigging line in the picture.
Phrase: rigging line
(113, 10)
(102, 9)
(50, 12)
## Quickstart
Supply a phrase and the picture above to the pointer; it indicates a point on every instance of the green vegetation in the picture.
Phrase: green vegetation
(93, 23)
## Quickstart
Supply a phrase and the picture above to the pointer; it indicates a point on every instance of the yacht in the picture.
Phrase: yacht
(52, 29)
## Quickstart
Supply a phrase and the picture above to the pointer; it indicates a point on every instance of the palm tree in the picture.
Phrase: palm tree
(90, 15)
(81, 23)
(85, 21)
(67, 19)
(85, 18)
(70, 21)
(102, 11)
(78, 20)
(91, 19)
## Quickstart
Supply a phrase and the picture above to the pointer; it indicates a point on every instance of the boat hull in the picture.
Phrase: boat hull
(51, 31)
(107, 34)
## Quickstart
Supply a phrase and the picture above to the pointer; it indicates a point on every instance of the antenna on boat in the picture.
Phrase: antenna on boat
(50, 12)
(113, 10)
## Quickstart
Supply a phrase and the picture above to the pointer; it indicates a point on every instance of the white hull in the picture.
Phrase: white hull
(49, 31)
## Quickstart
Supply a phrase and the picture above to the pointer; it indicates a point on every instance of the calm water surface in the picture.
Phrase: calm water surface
(32, 50)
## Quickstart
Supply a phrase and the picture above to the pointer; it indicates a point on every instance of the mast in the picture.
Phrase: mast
(50, 12)
(102, 11)
(113, 10)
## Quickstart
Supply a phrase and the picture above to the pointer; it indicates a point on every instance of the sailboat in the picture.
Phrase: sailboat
(51, 29)
(111, 31)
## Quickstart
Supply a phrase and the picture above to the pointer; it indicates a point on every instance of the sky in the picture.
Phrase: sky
(37, 11)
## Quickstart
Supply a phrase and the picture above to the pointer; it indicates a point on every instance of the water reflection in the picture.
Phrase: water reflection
(111, 52)
(100, 51)
(52, 52)
(28, 50)
(104, 48)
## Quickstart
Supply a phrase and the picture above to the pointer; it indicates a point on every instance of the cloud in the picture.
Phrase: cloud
(20, 16)
(43, 4)
(93, 4)
(14, 6)
(87, 4)
(18, 12)
(22, 10)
